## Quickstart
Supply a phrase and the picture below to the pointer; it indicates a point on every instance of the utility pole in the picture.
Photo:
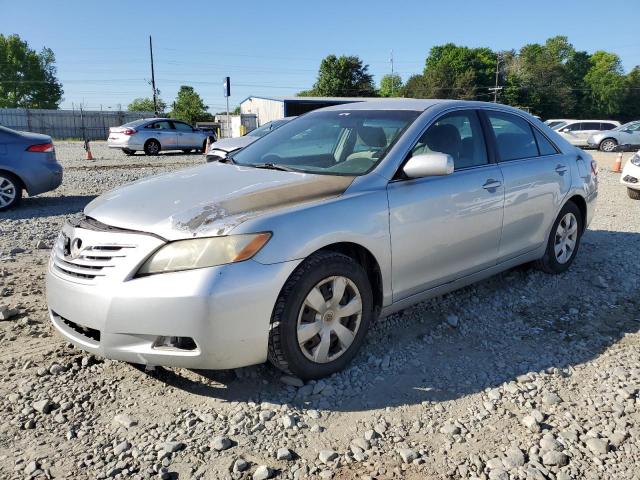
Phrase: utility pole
(392, 77)
(153, 80)
(496, 89)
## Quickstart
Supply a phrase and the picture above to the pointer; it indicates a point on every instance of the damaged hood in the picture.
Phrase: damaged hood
(209, 200)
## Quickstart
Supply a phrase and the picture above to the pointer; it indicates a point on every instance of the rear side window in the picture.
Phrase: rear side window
(544, 146)
(514, 137)
(591, 126)
(573, 127)
(164, 125)
(607, 126)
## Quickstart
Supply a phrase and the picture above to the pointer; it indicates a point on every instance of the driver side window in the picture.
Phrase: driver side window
(458, 134)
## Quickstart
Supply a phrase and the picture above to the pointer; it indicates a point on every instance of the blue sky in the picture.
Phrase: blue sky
(273, 48)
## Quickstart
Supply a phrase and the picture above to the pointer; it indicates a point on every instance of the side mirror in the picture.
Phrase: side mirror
(429, 165)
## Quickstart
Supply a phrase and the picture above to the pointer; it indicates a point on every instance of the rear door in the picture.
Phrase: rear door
(536, 177)
(586, 130)
(165, 133)
(571, 132)
(187, 138)
(444, 228)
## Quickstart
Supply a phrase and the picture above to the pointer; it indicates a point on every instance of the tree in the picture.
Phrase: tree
(344, 76)
(606, 83)
(146, 105)
(631, 109)
(27, 78)
(391, 86)
(416, 87)
(188, 106)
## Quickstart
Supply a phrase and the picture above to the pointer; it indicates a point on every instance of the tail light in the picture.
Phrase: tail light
(129, 131)
(594, 168)
(41, 147)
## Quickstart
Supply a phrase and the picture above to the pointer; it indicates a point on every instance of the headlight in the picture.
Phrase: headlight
(204, 252)
(636, 159)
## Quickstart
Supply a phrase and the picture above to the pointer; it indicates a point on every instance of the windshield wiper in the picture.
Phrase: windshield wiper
(273, 166)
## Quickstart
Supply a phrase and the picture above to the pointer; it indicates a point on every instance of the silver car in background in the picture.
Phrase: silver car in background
(27, 162)
(225, 146)
(627, 134)
(153, 135)
(291, 248)
(577, 132)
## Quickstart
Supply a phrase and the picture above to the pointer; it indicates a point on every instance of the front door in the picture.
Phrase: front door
(166, 134)
(444, 228)
(187, 138)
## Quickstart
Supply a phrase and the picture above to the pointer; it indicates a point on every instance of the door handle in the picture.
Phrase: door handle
(561, 169)
(491, 184)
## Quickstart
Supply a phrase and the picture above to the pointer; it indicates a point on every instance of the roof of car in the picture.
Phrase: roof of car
(417, 104)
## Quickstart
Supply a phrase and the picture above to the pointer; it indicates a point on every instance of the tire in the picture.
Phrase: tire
(634, 194)
(293, 308)
(557, 263)
(128, 152)
(152, 147)
(10, 191)
(187, 150)
(608, 145)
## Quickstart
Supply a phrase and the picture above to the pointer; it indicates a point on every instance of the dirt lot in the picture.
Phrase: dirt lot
(521, 376)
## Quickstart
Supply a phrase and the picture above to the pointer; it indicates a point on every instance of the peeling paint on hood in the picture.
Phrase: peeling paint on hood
(209, 200)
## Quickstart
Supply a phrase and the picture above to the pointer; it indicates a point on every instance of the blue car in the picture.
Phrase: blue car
(27, 162)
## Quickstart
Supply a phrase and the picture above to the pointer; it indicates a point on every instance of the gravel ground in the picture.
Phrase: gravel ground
(523, 376)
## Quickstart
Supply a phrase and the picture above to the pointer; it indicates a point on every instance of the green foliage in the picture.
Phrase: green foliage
(344, 76)
(606, 83)
(27, 78)
(189, 107)
(146, 105)
(391, 86)
(631, 104)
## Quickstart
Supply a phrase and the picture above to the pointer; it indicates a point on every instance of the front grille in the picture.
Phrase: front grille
(91, 262)
(86, 332)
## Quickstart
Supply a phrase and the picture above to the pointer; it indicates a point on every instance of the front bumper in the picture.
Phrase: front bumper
(225, 311)
(630, 176)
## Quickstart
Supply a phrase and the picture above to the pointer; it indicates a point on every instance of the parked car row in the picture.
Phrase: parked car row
(605, 135)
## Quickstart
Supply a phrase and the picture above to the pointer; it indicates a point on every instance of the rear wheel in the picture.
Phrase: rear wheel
(10, 190)
(564, 240)
(321, 317)
(608, 145)
(128, 152)
(152, 147)
(635, 194)
(187, 150)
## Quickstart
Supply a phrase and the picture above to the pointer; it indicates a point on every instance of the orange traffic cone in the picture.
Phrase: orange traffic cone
(88, 150)
(206, 146)
(617, 165)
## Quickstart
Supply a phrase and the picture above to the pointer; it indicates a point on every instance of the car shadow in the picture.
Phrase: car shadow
(511, 324)
(34, 207)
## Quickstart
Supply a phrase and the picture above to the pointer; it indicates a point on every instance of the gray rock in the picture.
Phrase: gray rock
(553, 457)
(450, 429)
(599, 446)
(284, 454)
(531, 423)
(240, 465)
(288, 421)
(56, 368)
(551, 398)
(172, 447)
(326, 456)
(548, 442)
(453, 320)
(7, 313)
(514, 458)
(125, 420)
(292, 381)
(43, 406)
(370, 435)
(262, 473)
(408, 455)
(31, 468)
(221, 443)
(361, 443)
(121, 448)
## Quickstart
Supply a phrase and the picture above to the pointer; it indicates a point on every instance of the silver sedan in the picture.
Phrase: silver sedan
(291, 248)
(153, 135)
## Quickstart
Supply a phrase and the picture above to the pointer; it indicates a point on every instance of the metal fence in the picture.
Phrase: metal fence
(60, 124)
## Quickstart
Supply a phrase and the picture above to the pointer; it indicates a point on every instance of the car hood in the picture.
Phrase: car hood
(209, 200)
(231, 144)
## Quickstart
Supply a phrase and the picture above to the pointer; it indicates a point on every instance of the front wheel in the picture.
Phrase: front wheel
(321, 317)
(128, 152)
(10, 191)
(634, 194)
(564, 240)
(608, 145)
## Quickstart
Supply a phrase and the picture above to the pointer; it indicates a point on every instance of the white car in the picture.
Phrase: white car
(630, 177)
(555, 123)
(577, 132)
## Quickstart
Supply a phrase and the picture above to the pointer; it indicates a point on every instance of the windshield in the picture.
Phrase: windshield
(266, 128)
(556, 124)
(337, 142)
(135, 123)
